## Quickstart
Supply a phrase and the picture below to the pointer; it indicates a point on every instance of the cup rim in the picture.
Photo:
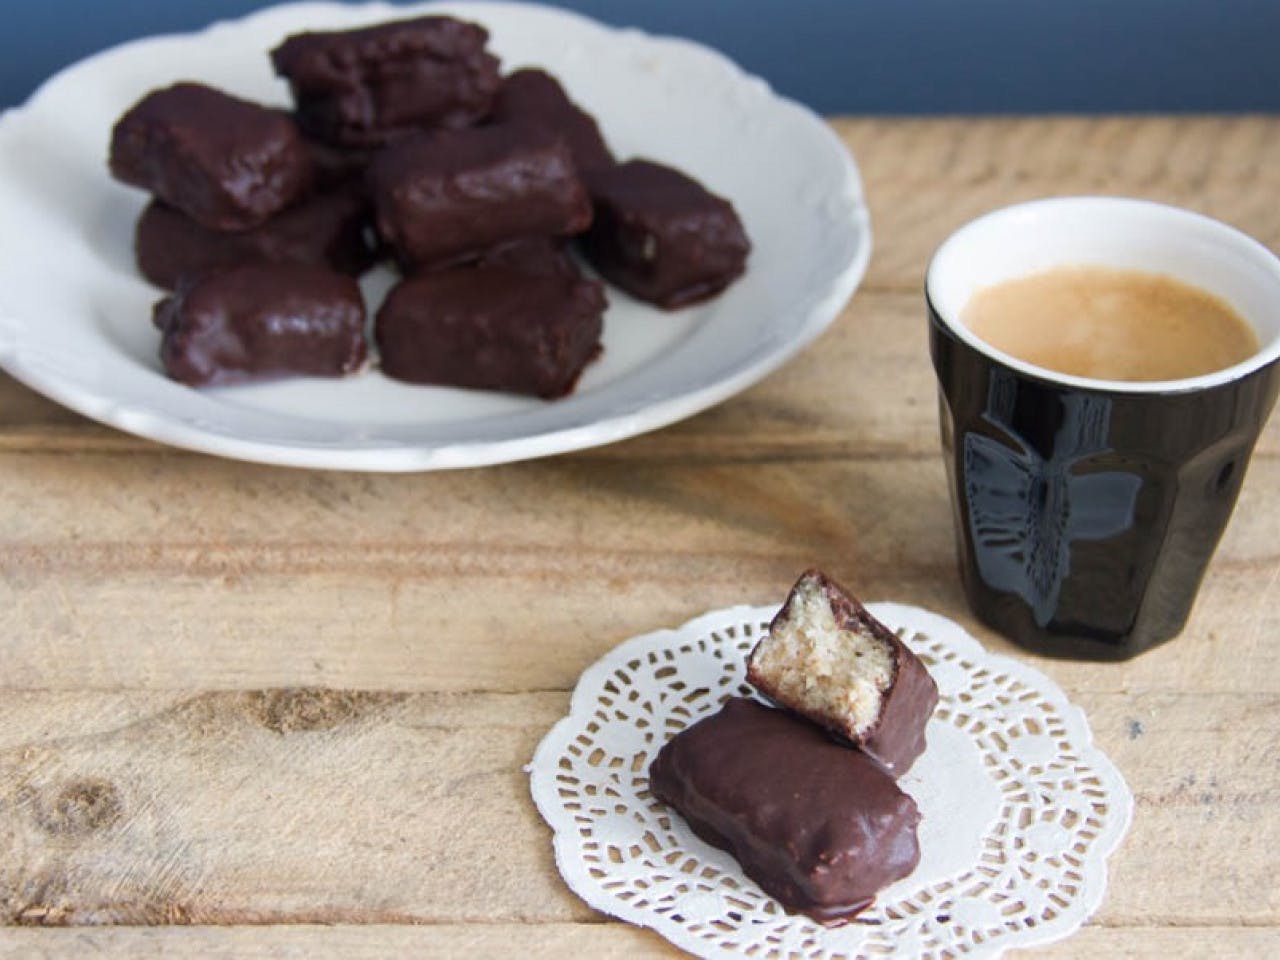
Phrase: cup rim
(1229, 235)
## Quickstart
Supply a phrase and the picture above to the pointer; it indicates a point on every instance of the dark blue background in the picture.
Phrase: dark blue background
(842, 56)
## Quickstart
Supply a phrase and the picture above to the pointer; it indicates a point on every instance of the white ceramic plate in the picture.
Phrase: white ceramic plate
(75, 314)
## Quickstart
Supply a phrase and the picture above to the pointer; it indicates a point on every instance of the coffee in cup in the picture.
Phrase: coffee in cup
(1108, 324)
(1088, 500)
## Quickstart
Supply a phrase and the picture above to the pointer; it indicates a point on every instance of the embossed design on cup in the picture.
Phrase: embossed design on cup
(1026, 511)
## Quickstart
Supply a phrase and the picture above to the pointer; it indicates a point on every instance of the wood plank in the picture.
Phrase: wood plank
(303, 806)
(921, 215)
(309, 578)
(924, 178)
(1122, 150)
(554, 941)
(323, 806)
(1205, 773)
(282, 578)
(374, 942)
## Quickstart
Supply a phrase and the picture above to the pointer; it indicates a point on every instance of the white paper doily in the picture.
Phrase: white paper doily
(1020, 810)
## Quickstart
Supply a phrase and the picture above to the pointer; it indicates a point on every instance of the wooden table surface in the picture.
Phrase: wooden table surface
(253, 710)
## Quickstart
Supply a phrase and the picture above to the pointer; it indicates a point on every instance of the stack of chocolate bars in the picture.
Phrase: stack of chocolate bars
(405, 142)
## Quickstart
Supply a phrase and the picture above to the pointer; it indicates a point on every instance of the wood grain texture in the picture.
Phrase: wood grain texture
(246, 703)
(309, 805)
(513, 578)
(554, 941)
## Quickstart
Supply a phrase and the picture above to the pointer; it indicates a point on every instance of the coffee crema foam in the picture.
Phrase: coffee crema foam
(1109, 324)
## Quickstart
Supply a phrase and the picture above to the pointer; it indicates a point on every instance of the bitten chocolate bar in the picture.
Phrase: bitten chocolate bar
(331, 230)
(661, 235)
(491, 328)
(820, 827)
(449, 195)
(226, 163)
(368, 87)
(262, 321)
(828, 659)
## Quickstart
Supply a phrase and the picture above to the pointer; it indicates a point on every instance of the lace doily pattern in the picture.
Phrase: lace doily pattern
(1020, 810)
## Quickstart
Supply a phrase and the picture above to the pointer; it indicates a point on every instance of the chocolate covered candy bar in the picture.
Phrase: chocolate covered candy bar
(226, 163)
(447, 196)
(828, 659)
(492, 328)
(371, 86)
(661, 235)
(262, 321)
(820, 827)
(331, 230)
(535, 97)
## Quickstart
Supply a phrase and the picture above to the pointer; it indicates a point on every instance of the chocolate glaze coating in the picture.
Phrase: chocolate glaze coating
(331, 230)
(897, 737)
(337, 166)
(661, 235)
(536, 97)
(262, 321)
(492, 328)
(226, 163)
(820, 827)
(447, 196)
(541, 256)
(372, 86)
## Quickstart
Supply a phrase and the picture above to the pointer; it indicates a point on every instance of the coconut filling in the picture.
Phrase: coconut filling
(814, 665)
